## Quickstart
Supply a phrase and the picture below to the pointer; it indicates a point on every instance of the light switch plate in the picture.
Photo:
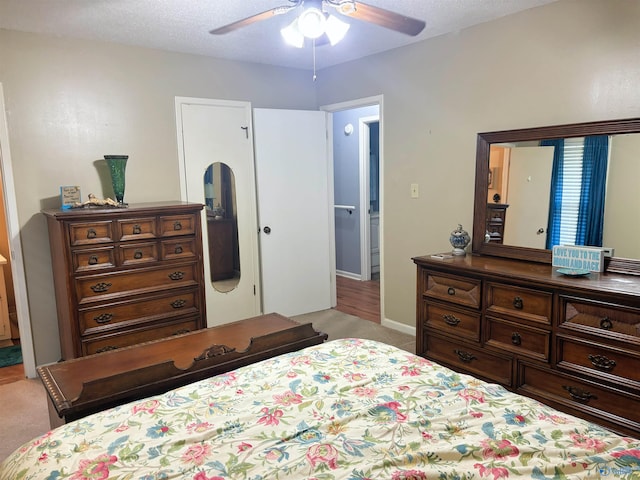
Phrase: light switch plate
(414, 190)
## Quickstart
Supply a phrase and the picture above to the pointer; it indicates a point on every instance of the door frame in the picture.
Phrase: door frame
(365, 195)
(17, 262)
(349, 105)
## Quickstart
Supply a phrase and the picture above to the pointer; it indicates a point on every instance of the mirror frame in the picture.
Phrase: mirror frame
(484, 141)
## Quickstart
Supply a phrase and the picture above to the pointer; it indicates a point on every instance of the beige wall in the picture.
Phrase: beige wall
(69, 102)
(570, 61)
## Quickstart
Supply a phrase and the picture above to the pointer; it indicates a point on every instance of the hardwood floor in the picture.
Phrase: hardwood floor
(11, 374)
(361, 299)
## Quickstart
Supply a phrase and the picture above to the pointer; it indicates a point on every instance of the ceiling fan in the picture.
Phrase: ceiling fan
(319, 11)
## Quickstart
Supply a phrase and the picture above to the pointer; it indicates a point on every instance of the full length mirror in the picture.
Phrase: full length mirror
(567, 184)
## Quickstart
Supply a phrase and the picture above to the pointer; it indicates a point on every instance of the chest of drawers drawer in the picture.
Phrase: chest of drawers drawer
(172, 225)
(517, 338)
(454, 289)
(136, 229)
(474, 360)
(90, 233)
(101, 287)
(137, 253)
(92, 259)
(91, 345)
(522, 303)
(581, 395)
(600, 319)
(613, 365)
(97, 320)
(455, 321)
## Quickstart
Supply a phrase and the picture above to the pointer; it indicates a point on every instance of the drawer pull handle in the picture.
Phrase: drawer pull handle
(606, 324)
(182, 331)
(91, 233)
(137, 254)
(100, 287)
(451, 319)
(137, 229)
(106, 349)
(93, 259)
(451, 291)
(516, 339)
(103, 318)
(176, 275)
(178, 303)
(579, 394)
(466, 357)
(178, 249)
(518, 303)
(601, 362)
(177, 225)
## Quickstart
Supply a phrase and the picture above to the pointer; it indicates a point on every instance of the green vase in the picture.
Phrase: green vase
(117, 166)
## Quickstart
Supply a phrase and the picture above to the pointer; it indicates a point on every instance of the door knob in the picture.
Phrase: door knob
(540, 231)
(267, 230)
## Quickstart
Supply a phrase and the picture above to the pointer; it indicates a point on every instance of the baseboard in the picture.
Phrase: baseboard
(354, 276)
(401, 327)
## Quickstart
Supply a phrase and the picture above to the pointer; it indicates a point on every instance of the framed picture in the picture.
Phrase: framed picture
(69, 196)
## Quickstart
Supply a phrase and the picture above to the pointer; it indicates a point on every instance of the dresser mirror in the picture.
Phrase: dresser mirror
(622, 202)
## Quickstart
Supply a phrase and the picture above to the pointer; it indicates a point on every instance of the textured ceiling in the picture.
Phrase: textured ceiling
(183, 25)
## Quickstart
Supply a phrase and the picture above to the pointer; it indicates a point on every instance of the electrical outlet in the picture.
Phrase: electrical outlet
(414, 190)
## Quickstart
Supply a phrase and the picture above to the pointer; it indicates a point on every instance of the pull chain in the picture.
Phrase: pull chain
(314, 59)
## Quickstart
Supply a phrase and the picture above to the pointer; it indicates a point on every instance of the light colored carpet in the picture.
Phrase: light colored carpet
(24, 414)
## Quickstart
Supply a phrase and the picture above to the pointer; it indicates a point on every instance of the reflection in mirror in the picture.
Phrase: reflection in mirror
(222, 227)
(522, 210)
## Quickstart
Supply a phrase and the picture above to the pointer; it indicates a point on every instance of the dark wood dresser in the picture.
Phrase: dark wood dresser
(571, 342)
(126, 275)
(496, 219)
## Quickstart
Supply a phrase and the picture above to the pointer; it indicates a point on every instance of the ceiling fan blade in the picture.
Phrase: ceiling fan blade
(252, 19)
(386, 18)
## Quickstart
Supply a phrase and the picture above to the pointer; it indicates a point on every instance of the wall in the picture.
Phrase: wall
(346, 173)
(69, 102)
(569, 61)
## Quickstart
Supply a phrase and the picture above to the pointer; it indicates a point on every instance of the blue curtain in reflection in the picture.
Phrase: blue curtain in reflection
(555, 196)
(594, 179)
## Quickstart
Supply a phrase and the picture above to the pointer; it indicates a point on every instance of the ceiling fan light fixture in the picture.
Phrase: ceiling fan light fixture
(335, 29)
(311, 22)
(291, 34)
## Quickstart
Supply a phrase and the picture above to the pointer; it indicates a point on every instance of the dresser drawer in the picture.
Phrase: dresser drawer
(90, 233)
(103, 287)
(172, 225)
(518, 339)
(620, 367)
(178, 248)
(137, 253)
(603, 320)
(587, 397)
(452, 320)
(137, 228)
(524, 303)
(93, 345)
(476, 361)
(451, 288)
(98, 320)
(87, 260)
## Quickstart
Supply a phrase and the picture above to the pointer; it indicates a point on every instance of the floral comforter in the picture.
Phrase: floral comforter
(347, 409)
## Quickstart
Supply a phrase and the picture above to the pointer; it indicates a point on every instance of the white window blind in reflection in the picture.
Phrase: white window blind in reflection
(571, 186)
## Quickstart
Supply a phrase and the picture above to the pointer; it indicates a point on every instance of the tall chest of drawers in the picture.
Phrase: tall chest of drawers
(571, 342)
(126, 275)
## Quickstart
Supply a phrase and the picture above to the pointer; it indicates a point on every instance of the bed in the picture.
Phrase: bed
(346, 409)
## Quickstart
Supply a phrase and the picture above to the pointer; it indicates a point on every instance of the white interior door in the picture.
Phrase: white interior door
(212, 131)
(292, 169)
(529, 180)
